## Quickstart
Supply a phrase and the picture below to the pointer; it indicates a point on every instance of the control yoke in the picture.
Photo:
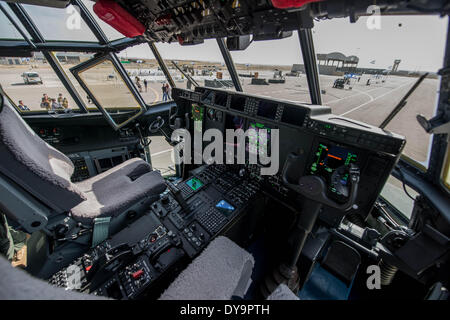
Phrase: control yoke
(314, 187)
(177, 121)
(156, 125)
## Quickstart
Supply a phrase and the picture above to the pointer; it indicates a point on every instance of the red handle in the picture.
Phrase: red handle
(118, 18)
(284, 4)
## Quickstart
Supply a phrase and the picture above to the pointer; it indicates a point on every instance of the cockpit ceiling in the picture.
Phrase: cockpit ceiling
(192, 21)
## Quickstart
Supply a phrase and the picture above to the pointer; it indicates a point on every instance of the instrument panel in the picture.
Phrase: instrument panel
(325, 143)
(191, 21)
(317, 120)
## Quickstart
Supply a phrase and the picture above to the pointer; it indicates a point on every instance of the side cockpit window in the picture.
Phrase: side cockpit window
(365, 72)
(28, 80)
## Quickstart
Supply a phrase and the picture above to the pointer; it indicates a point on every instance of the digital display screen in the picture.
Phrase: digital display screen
(207, 97)
(234, 122)
(237, 103)
(225, 207)
(329, 158)
(194, 183)
(221, 99)
(197, 112)
(255, 143)
(267, 109)
(293, 115)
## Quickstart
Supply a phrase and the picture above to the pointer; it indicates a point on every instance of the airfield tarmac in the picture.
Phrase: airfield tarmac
(369, 104)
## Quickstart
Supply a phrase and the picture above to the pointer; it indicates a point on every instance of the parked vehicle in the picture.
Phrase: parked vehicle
(32, 78)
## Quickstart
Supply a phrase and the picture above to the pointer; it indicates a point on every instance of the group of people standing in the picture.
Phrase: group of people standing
(54, 104)
(48, 103)
(166, 90)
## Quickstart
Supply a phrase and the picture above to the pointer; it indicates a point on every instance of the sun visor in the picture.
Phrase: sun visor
(118, 18)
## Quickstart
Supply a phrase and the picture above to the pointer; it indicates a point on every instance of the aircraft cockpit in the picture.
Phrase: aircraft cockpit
(224, 150)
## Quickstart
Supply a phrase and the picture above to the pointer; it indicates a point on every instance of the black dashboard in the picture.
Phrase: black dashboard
(322, 143)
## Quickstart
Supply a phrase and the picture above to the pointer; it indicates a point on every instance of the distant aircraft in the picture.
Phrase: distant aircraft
(373, 61)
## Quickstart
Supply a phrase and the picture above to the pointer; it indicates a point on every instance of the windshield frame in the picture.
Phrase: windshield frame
(438, 149)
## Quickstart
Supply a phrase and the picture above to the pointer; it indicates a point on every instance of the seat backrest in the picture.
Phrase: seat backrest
(222, 271)
(33, 164)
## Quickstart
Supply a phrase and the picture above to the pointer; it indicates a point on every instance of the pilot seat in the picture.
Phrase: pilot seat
(36, 193)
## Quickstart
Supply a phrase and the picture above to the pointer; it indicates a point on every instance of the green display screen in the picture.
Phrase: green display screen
(194, 183)
(255, 143)
(197, 112)
(328, 159)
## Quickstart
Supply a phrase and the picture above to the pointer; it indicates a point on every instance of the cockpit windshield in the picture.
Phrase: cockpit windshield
(305, 141)
(367, 67)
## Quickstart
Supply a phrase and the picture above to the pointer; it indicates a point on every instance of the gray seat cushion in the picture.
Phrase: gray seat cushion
(221, 271)
(16, 284)
(35, 165)
(112, 192)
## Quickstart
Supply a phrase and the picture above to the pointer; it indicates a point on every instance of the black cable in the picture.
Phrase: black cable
(404, 185)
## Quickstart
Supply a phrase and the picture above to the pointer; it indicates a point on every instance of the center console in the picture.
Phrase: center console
(174, 230)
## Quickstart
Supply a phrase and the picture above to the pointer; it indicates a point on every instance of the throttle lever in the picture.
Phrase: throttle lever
(176, 193)
(173, 117)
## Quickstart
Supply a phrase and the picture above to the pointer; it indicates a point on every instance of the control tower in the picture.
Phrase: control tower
(396, 64)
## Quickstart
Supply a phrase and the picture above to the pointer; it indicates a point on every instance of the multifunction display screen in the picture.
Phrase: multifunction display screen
(238, 103)
(259, 141)
(293, 115)
(194, 183)
(267, 110)
(327, 159)
(221, 99)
